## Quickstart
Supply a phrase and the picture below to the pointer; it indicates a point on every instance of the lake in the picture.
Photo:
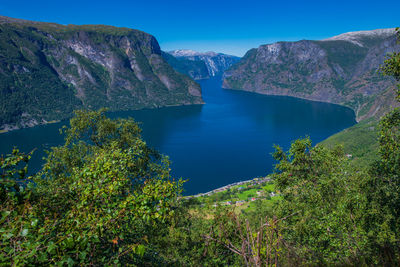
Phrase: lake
(228, 139)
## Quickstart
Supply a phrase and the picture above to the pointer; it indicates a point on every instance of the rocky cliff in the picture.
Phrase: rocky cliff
(200, 65)
(196, 69)
(47, 70)
(342, 70)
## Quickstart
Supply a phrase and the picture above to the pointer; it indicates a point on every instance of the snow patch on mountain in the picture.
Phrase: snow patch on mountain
(191, 53)
(216, 63)
(356, 37)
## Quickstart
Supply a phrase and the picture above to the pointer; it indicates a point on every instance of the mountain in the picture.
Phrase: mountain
(47, 70)
(342, 70)
(192, 63)
(363, 38)
(196, 69)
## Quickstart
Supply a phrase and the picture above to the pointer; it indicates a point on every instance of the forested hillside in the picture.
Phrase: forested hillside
(48, 70)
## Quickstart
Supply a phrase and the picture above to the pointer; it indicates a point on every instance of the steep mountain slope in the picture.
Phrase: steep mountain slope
(216, 63)
(196, 69)
(341, 70)
(364, 38)
(47, 70)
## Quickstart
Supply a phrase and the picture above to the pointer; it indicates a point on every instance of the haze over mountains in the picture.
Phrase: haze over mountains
(342, 70)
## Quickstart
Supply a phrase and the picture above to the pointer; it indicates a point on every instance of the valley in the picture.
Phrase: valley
(130, 145)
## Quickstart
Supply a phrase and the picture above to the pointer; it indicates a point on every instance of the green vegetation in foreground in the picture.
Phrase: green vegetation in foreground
(106, 198)
(97, 200)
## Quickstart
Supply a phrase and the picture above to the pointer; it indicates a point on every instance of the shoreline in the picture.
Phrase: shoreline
(7, 130)
(256, 180)
(11, 129)
(356, 118)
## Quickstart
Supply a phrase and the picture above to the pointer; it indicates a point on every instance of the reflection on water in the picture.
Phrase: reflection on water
(228, 139)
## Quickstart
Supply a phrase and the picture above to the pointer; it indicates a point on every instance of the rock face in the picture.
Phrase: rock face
(196, 69)
(47, 70)
(342, 70)
(200, 65)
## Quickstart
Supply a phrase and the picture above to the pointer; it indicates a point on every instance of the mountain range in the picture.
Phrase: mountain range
(200, 65)
(343, 70)
(47, 70)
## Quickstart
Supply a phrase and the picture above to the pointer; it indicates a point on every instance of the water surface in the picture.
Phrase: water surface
(228, 139)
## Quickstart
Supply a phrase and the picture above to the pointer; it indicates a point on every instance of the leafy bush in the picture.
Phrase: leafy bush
(321, 196)
(99, 200)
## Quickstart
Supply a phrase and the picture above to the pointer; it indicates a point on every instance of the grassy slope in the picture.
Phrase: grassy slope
(360, 140)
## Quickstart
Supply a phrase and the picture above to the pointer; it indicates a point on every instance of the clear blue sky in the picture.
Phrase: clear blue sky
(231, 27)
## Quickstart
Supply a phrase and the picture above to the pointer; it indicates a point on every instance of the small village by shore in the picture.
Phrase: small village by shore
(258, 180)
(237, 194)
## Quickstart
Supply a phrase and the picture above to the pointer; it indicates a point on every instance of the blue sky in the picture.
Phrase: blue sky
(231, 27)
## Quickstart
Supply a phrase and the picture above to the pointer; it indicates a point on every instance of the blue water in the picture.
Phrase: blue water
(228, 139)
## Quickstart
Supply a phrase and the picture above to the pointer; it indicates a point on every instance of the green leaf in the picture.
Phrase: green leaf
(34, 222)
(24, 232)
(70, 262)
(8, 235)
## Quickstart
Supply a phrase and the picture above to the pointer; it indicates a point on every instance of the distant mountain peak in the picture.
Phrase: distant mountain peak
(215, 63)
(356, 37)
(192, 53)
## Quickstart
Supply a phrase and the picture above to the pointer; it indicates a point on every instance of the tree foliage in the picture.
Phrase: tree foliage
(391, 65)
(320, 195)
(105, 198)
(256, 247)
(383, 188)
(344, 213)
(99, 200)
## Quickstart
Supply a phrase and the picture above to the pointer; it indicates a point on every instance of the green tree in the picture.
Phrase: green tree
(100, 199)
(383, 188)
(391, 65)
(16, 222)
(322, 203)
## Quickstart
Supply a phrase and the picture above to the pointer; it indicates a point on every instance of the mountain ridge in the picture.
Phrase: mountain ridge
(357, 36)
(47, 70)
(216, 63)
(335, 71)
(189, 52)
